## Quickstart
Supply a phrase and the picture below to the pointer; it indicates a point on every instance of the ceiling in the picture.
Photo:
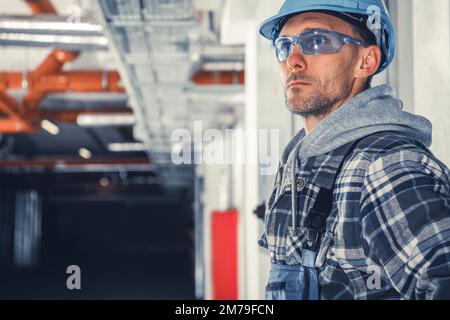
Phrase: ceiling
(172, 66)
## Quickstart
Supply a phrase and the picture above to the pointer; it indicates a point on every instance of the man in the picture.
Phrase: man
(360, 207)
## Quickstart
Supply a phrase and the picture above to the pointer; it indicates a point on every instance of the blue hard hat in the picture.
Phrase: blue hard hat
(384, 31)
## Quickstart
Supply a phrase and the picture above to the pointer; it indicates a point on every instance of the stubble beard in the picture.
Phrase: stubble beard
(314, 105)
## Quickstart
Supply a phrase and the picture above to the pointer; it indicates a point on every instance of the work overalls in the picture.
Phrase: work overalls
(300, 282)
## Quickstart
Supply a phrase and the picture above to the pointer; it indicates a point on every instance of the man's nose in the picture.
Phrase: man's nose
(296, 60)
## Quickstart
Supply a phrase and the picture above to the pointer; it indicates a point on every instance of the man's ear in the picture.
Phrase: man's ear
(369, 63)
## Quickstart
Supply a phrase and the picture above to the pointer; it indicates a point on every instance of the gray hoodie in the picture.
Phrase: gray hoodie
(372, 111)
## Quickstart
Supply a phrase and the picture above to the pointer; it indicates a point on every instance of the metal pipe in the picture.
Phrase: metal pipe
(76, 43)
(51, 31)
(48, 25)
(222, 53)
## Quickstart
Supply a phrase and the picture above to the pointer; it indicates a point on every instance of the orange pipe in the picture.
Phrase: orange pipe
(87, 81)
(6, 109)
(82, 81)
(8, 103)
(41, 7)
(14, 122)
(52, 64)
(218, 78)
(11, 80)
(10, 126)
(77, 81)
(44, 79)
(74, 82)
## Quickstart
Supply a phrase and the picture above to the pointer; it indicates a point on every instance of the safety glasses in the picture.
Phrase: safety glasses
(313, 43)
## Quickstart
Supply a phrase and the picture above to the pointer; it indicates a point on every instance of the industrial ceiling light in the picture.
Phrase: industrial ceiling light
(85, 153)
(50, 127)
(104, 182)
(127, 147)
(106, 120)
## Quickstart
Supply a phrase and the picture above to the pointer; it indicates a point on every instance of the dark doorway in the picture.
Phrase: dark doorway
(130, 241)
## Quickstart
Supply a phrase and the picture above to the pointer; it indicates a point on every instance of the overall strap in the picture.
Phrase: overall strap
(318, 214)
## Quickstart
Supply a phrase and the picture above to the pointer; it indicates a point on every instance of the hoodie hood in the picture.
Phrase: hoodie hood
(374, 110)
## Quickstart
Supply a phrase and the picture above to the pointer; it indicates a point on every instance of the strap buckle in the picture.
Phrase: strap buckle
(311, 239)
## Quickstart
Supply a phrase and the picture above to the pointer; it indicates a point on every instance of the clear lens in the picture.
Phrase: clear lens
(283, 48)
(313, 43)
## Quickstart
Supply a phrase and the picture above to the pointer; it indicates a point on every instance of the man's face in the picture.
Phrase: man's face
(315, 84)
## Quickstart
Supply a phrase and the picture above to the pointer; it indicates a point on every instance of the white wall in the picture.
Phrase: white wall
(431, 54)
(420, 72)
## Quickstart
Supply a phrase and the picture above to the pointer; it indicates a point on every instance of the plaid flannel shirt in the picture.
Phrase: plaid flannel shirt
(390, 219)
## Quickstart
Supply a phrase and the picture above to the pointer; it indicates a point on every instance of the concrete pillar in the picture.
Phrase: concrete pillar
(431, 54)
(402, 68)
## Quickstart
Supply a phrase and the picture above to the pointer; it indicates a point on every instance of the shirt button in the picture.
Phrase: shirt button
(300, 183)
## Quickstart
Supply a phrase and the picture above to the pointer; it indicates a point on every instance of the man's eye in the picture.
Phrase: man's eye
(317, 41)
